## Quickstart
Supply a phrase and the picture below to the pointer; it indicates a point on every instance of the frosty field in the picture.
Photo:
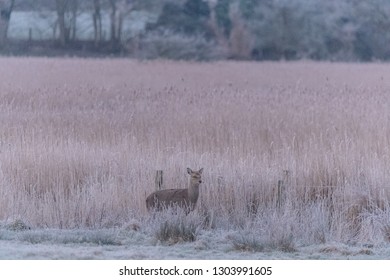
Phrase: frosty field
(296, 159)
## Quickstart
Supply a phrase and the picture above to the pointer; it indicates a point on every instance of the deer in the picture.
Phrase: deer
(183, 198)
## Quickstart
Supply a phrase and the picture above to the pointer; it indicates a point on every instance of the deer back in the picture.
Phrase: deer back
(168, 198)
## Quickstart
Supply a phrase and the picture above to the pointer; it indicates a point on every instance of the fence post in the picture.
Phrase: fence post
(159, 180)
(281, 191)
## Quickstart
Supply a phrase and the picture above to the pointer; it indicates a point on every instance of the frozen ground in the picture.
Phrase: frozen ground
(130, 244)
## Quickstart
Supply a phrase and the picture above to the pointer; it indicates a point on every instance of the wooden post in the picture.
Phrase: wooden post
(159, 180)
(281, 191)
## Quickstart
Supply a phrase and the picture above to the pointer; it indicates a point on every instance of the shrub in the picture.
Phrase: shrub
(177, 46)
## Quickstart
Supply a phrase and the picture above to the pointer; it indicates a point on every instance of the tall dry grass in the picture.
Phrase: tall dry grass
(80, 141)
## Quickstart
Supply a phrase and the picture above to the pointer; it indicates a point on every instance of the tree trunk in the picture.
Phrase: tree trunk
(6, 8)
(119, 26)
(97, 23)
(118, 9)
(61, 7)
(66, 17)
(74, 20)
(113, 37)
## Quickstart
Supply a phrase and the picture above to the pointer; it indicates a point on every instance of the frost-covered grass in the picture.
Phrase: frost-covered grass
(127, 243)
(295, 156)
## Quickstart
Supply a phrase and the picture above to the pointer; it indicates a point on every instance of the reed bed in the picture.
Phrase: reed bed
(81, 140)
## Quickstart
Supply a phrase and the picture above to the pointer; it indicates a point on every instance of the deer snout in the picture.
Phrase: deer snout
(200, 181)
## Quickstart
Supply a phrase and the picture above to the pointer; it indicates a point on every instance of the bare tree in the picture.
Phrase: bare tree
(115, 19)
(67, 15)
(73, 19)
(97, 22)
(119, 8)
(6, 7)
(61, 6)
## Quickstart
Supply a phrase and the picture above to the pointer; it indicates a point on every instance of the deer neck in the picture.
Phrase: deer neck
(193, 192)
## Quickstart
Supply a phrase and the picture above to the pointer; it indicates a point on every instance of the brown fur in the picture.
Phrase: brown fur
(183, 198)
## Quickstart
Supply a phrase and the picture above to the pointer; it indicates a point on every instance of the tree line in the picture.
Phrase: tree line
(352, 30)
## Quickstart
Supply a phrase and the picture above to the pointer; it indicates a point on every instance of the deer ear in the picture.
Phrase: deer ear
(189, 171)
(200, 170)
